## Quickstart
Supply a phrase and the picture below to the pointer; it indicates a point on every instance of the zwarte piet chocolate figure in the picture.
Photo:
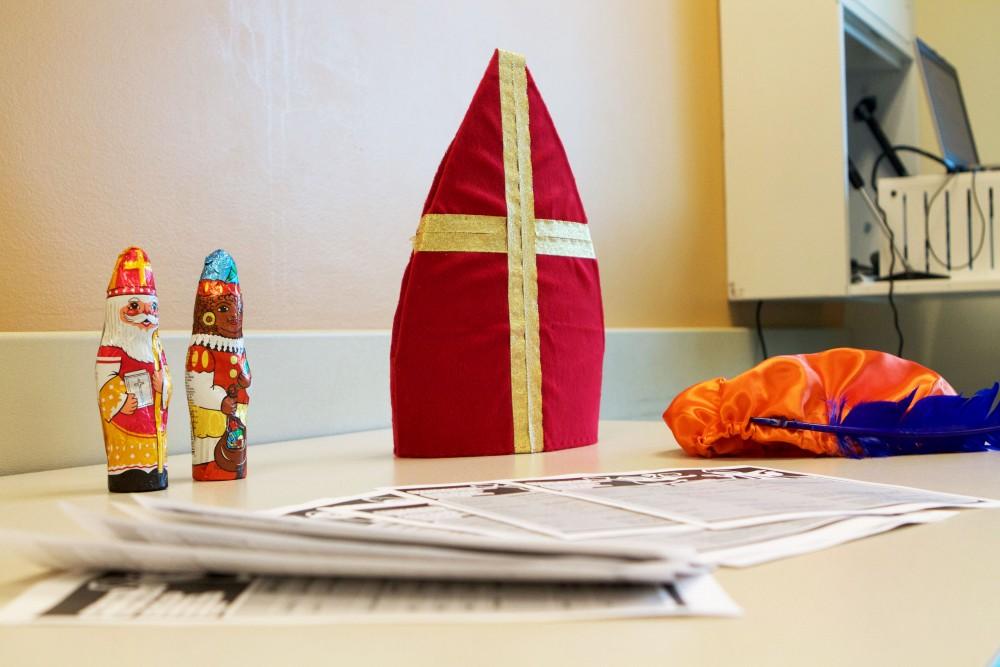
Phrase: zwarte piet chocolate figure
(133, 384)
(217, 374)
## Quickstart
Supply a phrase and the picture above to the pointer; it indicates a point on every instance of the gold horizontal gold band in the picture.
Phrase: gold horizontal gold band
(488, 233)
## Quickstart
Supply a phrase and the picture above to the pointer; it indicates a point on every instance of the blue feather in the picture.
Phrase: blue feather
(934, 424)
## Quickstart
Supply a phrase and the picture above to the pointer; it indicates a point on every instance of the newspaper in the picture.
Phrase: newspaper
(731, 547)
(555, 514)
(364, 529)
(571, 546)
(179, 563)
(380, 508)
(726, 497)
(232, 599)
(823, 537)
(80, 554)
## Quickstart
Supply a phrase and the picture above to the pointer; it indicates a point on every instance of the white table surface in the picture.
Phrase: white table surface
(926, 595)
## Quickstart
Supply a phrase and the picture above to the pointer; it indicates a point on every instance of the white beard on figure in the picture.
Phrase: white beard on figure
(135, 341)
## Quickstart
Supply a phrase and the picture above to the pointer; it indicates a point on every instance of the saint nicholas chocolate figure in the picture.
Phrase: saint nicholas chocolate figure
(133, 383)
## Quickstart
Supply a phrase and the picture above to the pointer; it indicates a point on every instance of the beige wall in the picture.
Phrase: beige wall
(964, 32)
(303, 136)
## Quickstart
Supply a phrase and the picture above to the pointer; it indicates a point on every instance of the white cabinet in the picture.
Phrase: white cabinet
(792, 72)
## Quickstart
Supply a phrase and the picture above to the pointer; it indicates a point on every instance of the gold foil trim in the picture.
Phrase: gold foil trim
(488, 233)
(533, 327)
(159, 405)
(522, 270)
(459, 242)
(461, 233)
(509, 63)
(468, 224)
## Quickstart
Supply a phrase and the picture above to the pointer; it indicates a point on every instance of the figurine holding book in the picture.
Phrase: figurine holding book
(133, 383)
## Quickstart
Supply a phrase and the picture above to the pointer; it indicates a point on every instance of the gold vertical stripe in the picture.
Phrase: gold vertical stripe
(522, 282)
(515, 269)
(532, 335)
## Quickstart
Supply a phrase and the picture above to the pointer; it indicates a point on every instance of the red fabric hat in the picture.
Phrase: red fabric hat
(133, 274)
(498, 339)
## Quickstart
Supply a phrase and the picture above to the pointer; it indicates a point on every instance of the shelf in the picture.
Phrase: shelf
(945, 286)
(866, 44)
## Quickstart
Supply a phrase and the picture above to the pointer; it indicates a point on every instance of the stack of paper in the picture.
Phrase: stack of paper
(587, 545)
(179, 563)
(733, 516)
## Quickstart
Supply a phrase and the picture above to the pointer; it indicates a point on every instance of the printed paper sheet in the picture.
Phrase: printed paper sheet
(200, 599)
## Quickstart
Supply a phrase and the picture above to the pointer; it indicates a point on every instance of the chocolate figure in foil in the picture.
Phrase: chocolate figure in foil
(133, 384)
(217, 374)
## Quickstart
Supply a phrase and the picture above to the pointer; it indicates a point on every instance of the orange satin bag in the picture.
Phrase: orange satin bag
(712, 418)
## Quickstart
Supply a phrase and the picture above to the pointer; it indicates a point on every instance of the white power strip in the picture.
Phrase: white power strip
(938, 227)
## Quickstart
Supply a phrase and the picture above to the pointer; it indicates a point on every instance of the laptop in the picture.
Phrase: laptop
(951, 120)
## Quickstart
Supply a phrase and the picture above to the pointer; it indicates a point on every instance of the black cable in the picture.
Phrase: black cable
(760, 330)
(982, 224)
(920, 151)
(892, 300)
(892, 237)
(911, 149)
(892, 279)
(979, 208)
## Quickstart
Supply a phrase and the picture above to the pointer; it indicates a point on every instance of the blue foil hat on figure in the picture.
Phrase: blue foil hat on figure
(220, 266)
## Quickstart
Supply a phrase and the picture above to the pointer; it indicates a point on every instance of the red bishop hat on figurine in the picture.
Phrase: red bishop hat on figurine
(133, 274)
(498, 339)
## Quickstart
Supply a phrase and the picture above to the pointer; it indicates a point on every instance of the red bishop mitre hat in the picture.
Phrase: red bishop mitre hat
(498, 339)
(133, 274)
